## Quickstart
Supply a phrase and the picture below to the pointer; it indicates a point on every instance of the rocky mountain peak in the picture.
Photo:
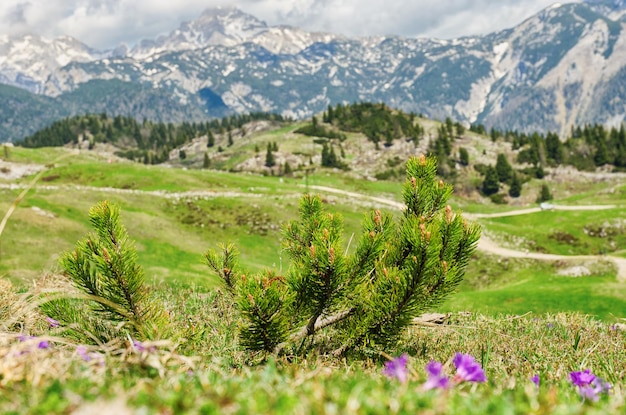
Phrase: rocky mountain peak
(27, 60)
(227, 21)
(225, 26)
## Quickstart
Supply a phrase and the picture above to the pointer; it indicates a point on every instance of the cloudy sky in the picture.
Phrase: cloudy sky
(107, 23)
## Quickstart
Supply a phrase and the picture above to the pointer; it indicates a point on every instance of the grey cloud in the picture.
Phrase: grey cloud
(106, 23)
(16, 15)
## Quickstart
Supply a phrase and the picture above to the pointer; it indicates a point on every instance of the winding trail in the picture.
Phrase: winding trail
(485, 244)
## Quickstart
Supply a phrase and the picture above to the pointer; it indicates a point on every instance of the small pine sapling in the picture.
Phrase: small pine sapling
(264, 303)
(399, 270)
(423, 261)
(224, 265)
(318, 275)
(104, 270)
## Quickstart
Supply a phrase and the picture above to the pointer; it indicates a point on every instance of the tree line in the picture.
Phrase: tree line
(586, 147)
(149, 142)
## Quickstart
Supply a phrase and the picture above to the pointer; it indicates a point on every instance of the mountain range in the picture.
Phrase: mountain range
(564, 66)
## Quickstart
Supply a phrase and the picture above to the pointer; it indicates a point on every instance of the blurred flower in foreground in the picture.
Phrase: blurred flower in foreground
(535, 379)
(396, 368)
(589, 385)
(88, 356)
(41, 344)
(82, 352)
(52, 322)
(141, 347)
(467, 369)
(436, 379)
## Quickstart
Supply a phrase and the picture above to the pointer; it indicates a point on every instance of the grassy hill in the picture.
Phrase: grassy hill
(177, 214)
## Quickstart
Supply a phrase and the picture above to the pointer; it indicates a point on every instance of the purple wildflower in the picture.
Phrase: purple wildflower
(536, 380)
(589, 385)
(436, 379)
(592, 391)
(139, 346)
(52, 322)
(588, 393)
(467, 369)
(396, 368)
(601, 386)
(582, 378)
(89, 356)
(43, 344)
(82, 352)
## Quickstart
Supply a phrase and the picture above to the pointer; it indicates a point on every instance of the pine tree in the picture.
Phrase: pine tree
(270, 160)
(503, 168)
(463, 156)
(329, 157)
(544, 194)
(331, 116)
(210, 139)
(601, 156)
(287, 169)
(460, 130)
(206, 162)
(516, 186)
(539, 173)
(491, 184)
(554, 148)
(104, 267)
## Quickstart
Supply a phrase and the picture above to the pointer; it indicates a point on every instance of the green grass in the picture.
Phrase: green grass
(39, 156)
(565, 232)
(525, 286)
(249, 210)
(171, 234)
(590, 193)
(208, 374)
(515, 326)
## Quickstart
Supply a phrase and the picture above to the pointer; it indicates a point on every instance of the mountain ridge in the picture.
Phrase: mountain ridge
(559, 68)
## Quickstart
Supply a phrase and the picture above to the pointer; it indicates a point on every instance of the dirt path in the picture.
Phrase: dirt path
(538, 209)
(485, 244)
(388, 202)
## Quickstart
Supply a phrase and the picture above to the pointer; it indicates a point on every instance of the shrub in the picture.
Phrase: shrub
(400, 269)
(110, 298)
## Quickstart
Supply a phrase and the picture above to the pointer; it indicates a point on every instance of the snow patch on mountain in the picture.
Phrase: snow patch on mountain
(567, 49)
(27, 61)
(225, 26)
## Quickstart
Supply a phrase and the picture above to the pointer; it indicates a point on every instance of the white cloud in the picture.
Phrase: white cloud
(106, 23)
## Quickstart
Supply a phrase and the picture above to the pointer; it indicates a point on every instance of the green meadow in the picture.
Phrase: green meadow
(175, 215)
(517, 317)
